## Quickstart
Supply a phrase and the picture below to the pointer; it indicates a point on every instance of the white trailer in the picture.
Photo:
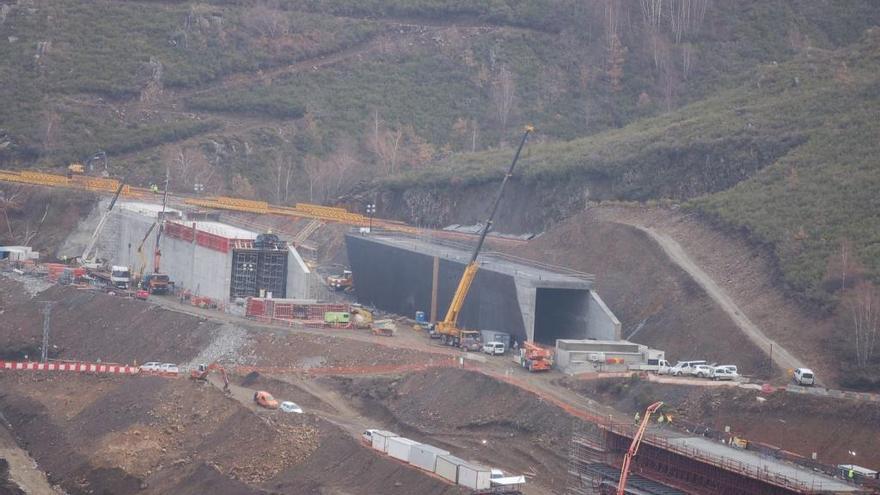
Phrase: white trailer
(425, 456)
(380, 439)
(400, 448)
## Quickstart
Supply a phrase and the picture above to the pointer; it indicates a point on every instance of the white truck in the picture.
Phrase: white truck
(120, 276)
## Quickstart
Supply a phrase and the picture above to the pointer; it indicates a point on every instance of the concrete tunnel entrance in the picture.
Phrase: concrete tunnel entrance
(560, 314)
(528, 300)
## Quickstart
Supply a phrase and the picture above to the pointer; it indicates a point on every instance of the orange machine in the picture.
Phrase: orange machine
(634, 447)
(201, 374)
(534, 357)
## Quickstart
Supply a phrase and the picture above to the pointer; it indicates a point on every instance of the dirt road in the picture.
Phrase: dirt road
(780, 356)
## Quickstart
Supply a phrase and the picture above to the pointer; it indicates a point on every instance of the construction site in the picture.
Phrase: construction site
(161, 343)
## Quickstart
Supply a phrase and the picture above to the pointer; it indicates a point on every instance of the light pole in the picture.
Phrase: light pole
(371, 210)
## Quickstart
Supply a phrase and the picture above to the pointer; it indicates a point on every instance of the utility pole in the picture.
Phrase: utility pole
(47, 318)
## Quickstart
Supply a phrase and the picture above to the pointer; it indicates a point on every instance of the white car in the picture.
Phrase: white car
(494, 348)
(701, 370)
(151, 367)
(731, 367)
(724, 373)
(804, 376)
(290, 407)
(169, 368)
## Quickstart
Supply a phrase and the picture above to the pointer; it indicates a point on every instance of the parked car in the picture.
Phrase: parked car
(804, 376)
(169, 368)
(724, 373)
(701, 370)
(290, 407)
(731, 367)
(684, 367)
(367, 436)
(151, 367)
(494, 348)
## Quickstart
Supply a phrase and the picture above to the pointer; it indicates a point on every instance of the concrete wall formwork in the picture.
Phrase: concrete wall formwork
(202, 270)
(530, 303)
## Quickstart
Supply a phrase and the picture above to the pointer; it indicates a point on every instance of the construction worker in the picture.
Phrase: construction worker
(851, 474)
(515, 345)
(637, 418)
(660, 419)
(154, 188)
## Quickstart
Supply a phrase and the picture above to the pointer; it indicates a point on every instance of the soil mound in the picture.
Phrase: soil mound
(88, 325)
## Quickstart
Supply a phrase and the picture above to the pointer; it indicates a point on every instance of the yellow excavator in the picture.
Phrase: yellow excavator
(448, 329)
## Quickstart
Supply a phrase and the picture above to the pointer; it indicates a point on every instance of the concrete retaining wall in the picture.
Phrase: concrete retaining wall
(527, 302)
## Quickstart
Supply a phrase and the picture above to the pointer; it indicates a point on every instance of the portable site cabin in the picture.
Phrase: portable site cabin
(425, 456)
(474, 476)
(447, 467)
(459, 471)
(400, 448)
(380, 440)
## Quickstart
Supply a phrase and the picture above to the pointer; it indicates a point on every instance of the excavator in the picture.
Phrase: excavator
(203, 370)
(448, 329)
(634, 446)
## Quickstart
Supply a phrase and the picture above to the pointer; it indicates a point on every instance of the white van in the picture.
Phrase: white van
(804, 376)
(685, 367)
(494, 348)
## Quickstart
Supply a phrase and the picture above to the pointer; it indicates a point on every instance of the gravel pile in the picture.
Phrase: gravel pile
(226, 345)
(32, 285)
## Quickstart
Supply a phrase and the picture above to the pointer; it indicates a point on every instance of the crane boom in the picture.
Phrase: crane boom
(94, 239)
(634, 447)
(448, 328)
(157, 253)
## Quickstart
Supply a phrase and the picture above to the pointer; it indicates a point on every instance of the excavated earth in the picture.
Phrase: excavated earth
(472, 415)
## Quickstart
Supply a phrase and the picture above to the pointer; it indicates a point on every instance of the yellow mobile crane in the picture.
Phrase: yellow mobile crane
(448, 329)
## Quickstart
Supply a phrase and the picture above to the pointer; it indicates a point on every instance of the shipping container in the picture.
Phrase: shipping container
(400, 448)
(447, 467)
(380, 440)
(474, 476)
(425, 456)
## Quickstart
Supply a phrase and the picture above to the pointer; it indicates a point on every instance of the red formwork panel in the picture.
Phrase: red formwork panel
(178, 231)
(212, 241)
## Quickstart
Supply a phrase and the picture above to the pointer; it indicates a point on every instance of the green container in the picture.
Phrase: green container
(337, 317)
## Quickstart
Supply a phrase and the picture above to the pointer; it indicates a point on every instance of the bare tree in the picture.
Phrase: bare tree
(503, 94)
(9, 202)
(843, 267)
(863, 303)
(386, 145)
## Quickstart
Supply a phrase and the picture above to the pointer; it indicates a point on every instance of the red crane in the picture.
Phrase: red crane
(634, 447)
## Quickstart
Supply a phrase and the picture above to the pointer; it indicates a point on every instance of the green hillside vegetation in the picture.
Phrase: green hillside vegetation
(790, 157)
(112, 50)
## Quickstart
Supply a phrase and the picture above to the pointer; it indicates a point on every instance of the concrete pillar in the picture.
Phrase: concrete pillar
(434, 284)
(526, 296)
